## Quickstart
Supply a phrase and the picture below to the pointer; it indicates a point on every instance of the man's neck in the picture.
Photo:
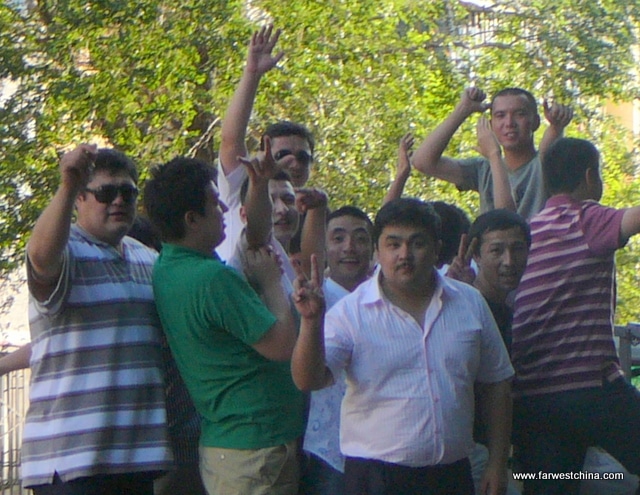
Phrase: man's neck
(514, 159)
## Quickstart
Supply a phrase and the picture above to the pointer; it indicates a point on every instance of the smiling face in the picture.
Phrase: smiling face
(293, 154)
(285, 216)
(349, 250)
(501, 260)
(407, 256)
(108, 222)
(513, 121)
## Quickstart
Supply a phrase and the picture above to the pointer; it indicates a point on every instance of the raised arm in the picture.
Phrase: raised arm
(236, 119)
(559, 116)
(403, 169)
(630, 223)
(496, 410)
(308, 367)
(489, 147)
(428, 157)
(263, 271)
(51, 231)
(257, 205)
(313, 202)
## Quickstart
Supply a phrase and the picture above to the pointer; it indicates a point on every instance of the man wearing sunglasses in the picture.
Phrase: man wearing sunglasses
(96, 421)
(291, 144)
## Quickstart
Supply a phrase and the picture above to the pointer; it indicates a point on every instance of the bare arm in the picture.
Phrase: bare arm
(236, 119)
(17, 360)
(496, 406)
(51, 231)
(630, 223)
(257, 205)
(313, 202)
(308, 367)
(264, 269)
(490, 148)
(428, 157)
(559, 116)
(403, 169)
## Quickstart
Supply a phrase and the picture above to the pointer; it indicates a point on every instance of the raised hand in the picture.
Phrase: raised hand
(404, 155)
(259, 57)
(76, 166)
(262, 167)
(472, 100)
(487, 143)
(557, 115)
(308, 297)
(310, 198)
(460, 268)
(262, 268)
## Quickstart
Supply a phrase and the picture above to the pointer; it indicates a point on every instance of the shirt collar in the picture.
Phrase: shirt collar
(372, 291)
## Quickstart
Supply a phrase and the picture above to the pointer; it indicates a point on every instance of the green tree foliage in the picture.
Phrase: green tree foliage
(150, 77)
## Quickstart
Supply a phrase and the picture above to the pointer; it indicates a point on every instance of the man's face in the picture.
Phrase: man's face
(107, 221)
(213, 225)
(407, 256)
(293, 154)
(349, 250)
(502, 260)
(513, 122)
(285, 216)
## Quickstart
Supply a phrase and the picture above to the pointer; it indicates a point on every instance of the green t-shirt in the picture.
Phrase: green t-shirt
(212, 317)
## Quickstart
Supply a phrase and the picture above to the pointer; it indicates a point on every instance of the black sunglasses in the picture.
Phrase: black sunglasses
(302, 156)
(107, 193)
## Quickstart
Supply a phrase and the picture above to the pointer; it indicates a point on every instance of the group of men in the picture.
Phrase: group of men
(399, 359)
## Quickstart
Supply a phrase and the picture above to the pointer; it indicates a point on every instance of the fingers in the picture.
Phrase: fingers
(463, 246)
(316, 278)
(470, 251)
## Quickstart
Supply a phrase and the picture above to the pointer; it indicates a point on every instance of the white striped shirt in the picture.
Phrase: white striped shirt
(409, 396)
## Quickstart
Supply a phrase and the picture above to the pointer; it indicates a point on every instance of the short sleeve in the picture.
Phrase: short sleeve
(53, 304)
(495, 365)
(470, 174)
(338, 338)
(601, 227)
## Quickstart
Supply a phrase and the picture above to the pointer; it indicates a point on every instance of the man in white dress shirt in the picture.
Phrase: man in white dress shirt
(412, 344)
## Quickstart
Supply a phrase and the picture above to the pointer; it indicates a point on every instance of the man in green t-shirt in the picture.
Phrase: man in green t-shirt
(232, 349)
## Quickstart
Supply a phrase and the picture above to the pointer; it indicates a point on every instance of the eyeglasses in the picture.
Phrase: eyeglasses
(302, 156)
(109, 192)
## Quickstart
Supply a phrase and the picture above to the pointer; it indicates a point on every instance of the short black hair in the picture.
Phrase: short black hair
(410, 212)
(499, 219)
(114, 162)
(175, 188)
(350, 211)
(244, 189)
(287, 128)
(455, 222)
(565, 164)
(532, 104)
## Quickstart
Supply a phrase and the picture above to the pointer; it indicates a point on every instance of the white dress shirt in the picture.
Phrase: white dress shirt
(409, 397)
(229, 189)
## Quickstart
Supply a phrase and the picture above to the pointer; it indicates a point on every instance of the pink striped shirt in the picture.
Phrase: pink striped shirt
(563, 322)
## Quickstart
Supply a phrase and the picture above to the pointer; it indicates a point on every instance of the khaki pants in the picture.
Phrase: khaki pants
(269, 471)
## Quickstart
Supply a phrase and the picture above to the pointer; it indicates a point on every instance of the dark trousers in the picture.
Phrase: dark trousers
(553, 431)
(108, 484)
(371, 477)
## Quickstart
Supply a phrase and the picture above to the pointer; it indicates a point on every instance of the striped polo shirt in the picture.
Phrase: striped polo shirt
(97, 403)
(563, 322)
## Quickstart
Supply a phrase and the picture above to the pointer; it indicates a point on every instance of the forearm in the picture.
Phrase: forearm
(496, 410)
(550, 136)
(502, 197)
(51, 234)
(429, 153)
(313, 236)
(236, 120)
(258, 209)
(396, 188)
(17, 360)
(308, 367)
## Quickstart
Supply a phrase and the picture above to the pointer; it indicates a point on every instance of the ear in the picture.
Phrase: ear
(536, 122)
(191, 220)
(590, 176)
(243, 214)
